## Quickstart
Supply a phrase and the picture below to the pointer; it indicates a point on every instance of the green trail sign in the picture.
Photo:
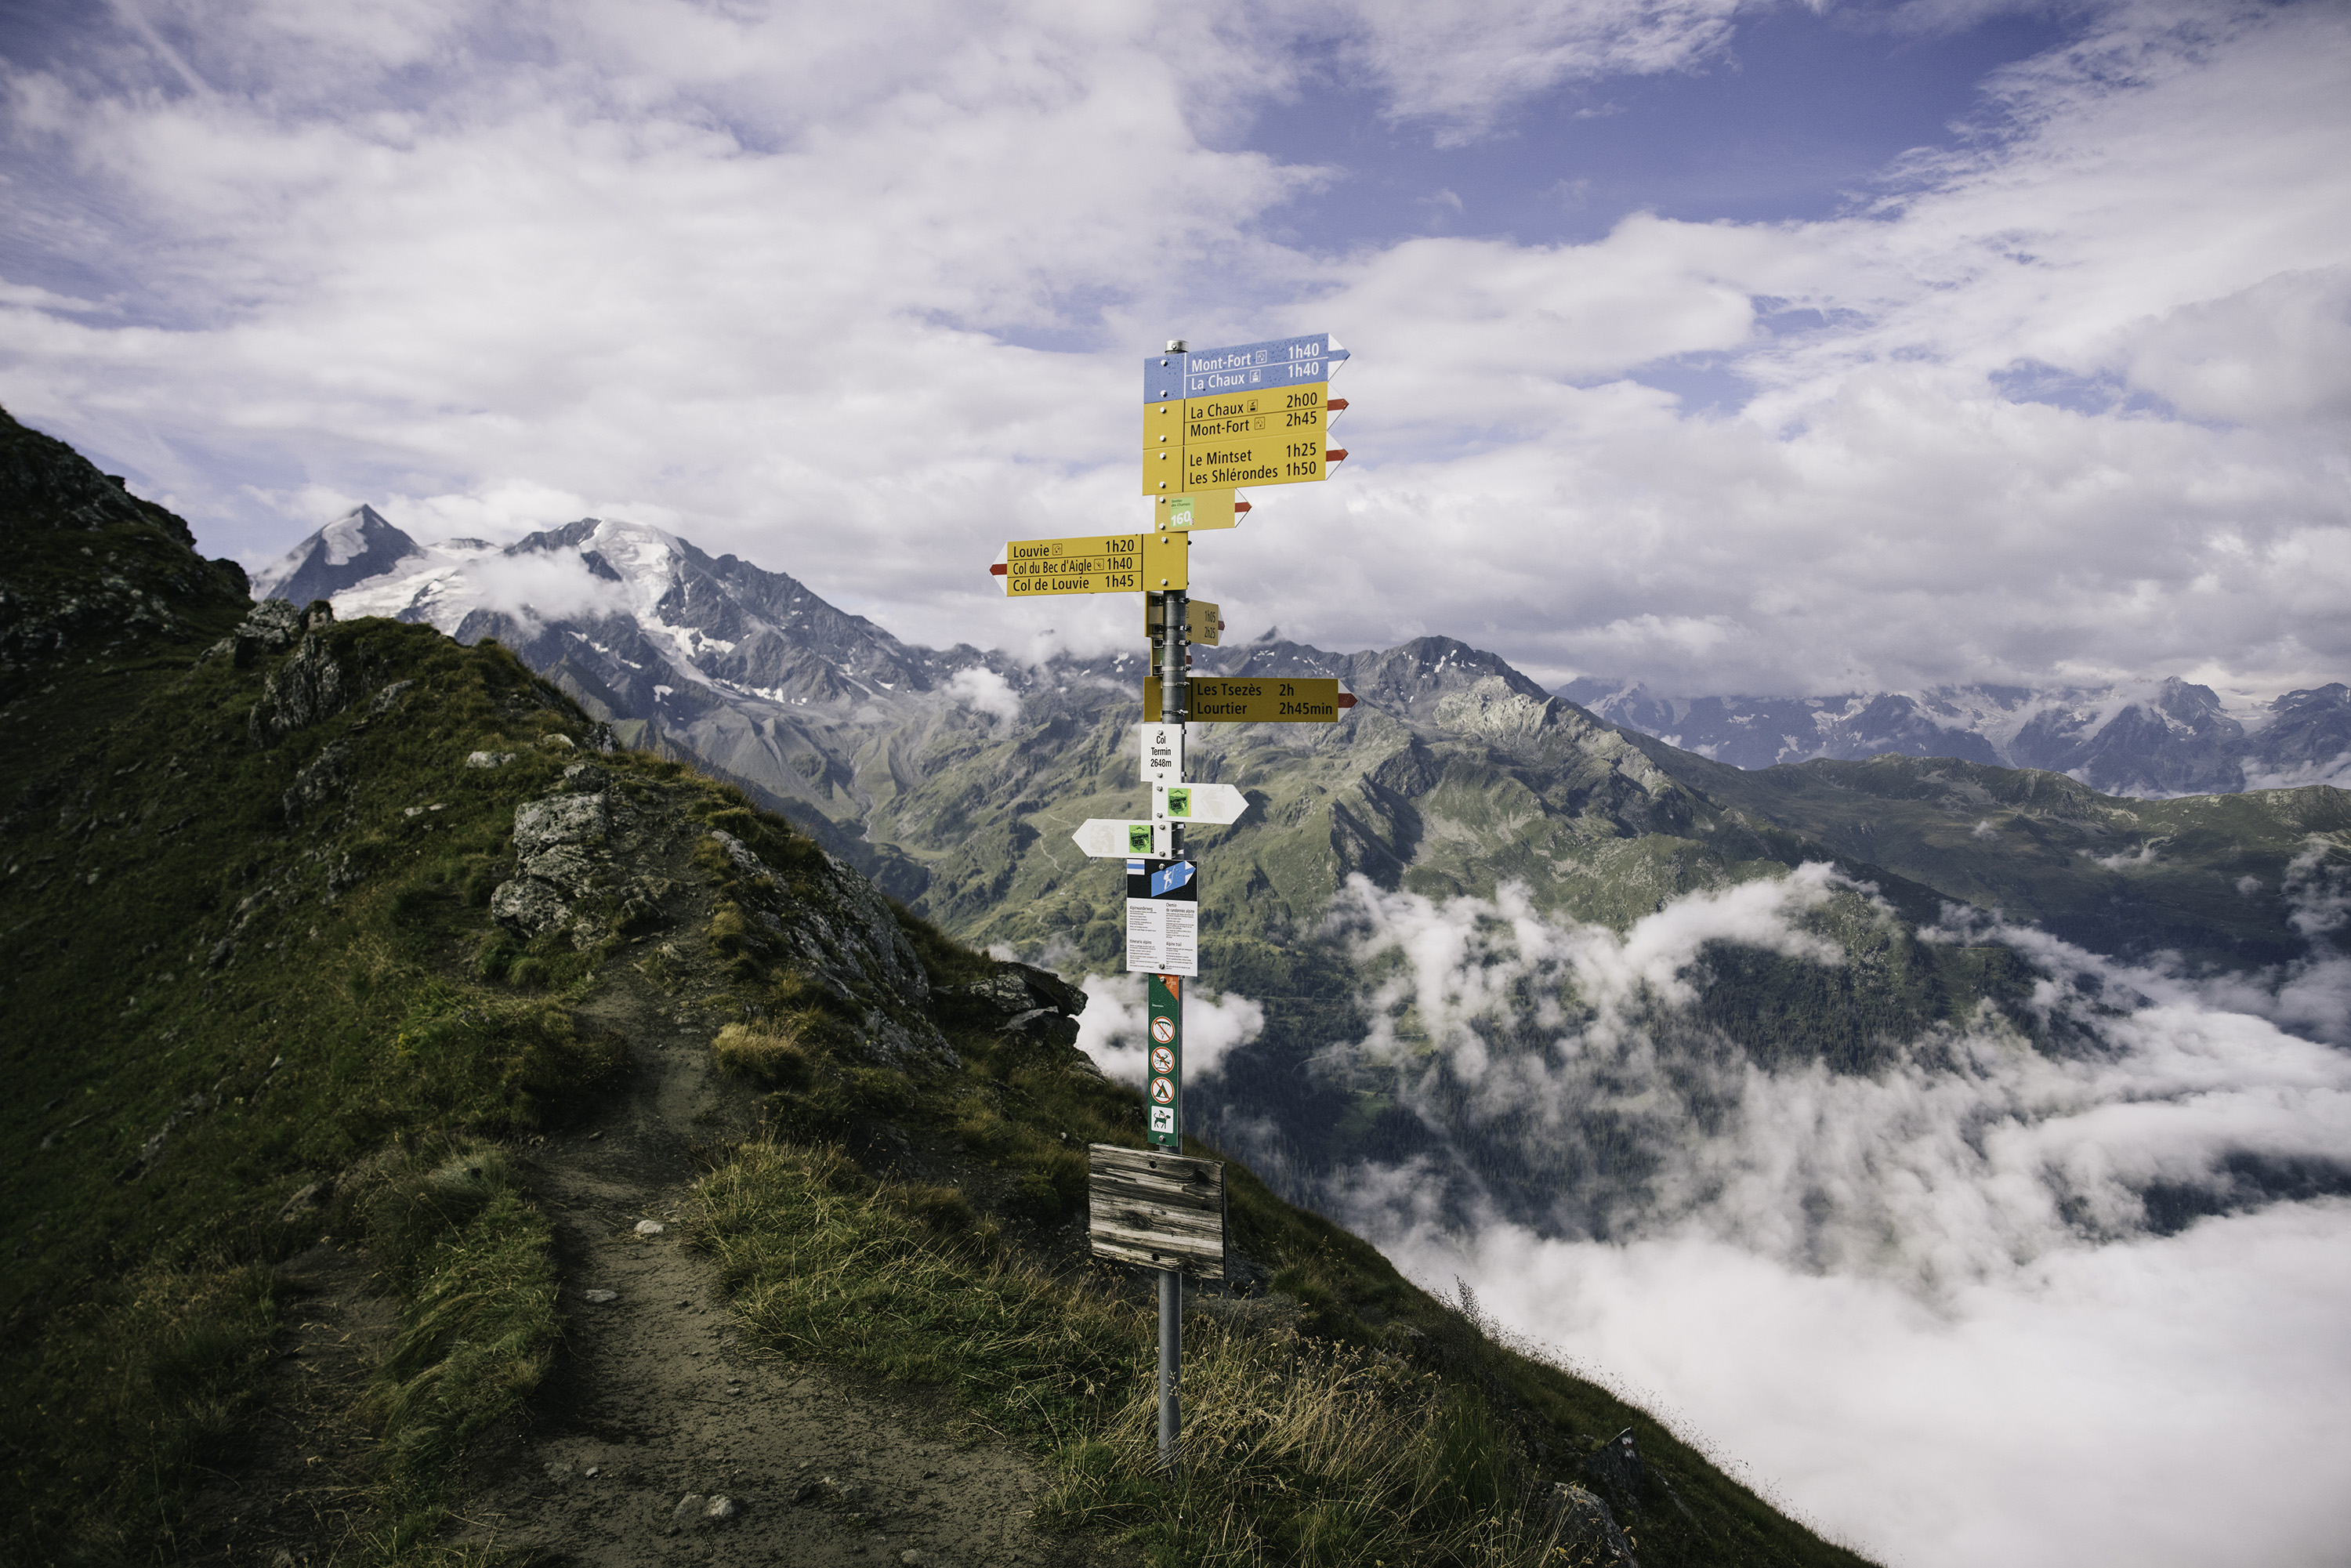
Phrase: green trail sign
(1165, 1046)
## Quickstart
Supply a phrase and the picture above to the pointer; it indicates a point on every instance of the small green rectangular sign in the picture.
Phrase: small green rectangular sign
(1163, 1099)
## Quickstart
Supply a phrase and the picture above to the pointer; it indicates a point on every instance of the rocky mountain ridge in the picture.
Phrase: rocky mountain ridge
(872, 742)
(749, 672)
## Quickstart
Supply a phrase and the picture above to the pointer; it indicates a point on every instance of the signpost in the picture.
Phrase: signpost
(1248, 414)
(1256, 699)
(1200, 622)
(1158, 1209)
(1213, 803)
(1095, 563)
(1201, 509)
(1165, 1211)
(1163, 753)
(1109, 839)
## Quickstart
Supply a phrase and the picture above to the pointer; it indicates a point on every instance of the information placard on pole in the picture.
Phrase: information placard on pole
(1163, 917)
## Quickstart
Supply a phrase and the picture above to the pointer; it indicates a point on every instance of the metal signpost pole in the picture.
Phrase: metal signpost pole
(1246, 413)
(1173, 626)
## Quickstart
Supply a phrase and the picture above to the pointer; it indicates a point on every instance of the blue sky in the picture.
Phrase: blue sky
(1801, 116)
(1776, 348)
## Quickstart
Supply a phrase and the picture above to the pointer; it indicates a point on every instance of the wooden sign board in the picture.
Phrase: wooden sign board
(1158, 1209)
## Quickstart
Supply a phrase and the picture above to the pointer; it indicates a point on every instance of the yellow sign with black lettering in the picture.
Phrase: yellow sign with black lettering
(1271, 458)
(1096, 563)
(1201, 621)
(1292, 403)
(1253, 699)
(1265, 436)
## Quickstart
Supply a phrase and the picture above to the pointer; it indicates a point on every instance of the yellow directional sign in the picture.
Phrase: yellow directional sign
(1260, 435)
(1280, 457)
(1253, 699)
(1096, 563)
(1201, 623)
(1287, 402)
(1213, 419)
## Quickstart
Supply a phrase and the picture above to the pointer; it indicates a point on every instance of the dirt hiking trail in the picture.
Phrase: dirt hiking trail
(665, 1437)
(661, 1436)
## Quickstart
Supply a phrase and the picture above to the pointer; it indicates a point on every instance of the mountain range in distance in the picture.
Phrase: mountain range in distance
(2149, 740)
(749, 671)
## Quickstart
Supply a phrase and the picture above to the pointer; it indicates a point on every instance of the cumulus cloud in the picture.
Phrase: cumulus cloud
(1931, 1298)
(856, 293)
(2171, 1401)
(543, 585)
(982, 690)
(1111, 1029)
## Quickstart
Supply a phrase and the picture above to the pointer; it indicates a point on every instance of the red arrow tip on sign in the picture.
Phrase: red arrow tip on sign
(998, 569)
(1335, 405)
(1340, 455)
(1242, 506)
(1346, 699)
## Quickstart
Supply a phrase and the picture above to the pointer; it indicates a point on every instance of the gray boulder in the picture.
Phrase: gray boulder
(842, 935)
(564, 866)
(327, 777)
(313, 685)
(557, 843)
(530, 906)
(580, 820)
(1582, 1523)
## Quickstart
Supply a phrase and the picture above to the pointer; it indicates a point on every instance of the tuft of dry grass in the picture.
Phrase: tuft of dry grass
(474, 1261)
(907, 1282)
(770, 1052)
(1297, 1450)
(1300, 1452)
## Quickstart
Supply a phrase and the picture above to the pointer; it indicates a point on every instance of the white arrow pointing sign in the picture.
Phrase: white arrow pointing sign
(1107, 838)
(1197, 803)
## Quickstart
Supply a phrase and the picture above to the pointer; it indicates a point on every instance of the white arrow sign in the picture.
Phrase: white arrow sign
(1106, 839)
(1197, 803)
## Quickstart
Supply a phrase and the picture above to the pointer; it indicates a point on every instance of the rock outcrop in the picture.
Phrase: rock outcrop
(44, 484)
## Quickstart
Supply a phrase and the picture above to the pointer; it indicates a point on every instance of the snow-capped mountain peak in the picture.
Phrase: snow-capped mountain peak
(354, 548)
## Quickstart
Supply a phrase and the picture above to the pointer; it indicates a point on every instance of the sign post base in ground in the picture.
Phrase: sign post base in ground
(1165, 1211)
(1171, 1373)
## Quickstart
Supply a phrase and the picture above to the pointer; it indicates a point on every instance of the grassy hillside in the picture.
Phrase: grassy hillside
(333, 953)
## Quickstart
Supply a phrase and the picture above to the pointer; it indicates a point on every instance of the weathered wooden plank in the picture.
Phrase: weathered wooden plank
(1178, 1220)
(1194, 1196)
(1160, 1181)
(1160, 1211)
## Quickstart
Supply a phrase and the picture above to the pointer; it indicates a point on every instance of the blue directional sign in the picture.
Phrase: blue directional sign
(1276, 363)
